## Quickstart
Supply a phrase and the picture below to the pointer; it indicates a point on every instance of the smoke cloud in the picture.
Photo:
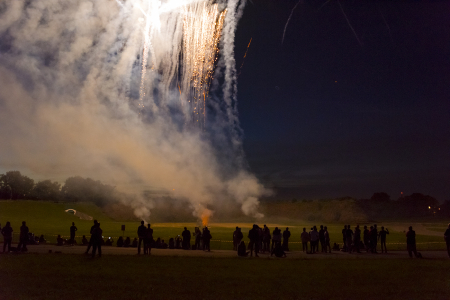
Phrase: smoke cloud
(70, 75)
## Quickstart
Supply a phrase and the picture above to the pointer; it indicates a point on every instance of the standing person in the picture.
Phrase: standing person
(411, 242)
(267, 238)
(366, 238)
(23, 237)
(73, 228)
(349, 239)
(148, 240)
(235, 241)
(382, 237)
(198, 238)
(305, 239)
(7, 236)
(446, 237)
(327, 239)
(322, 238)
(357, 239)
(253, 235)
(344, 238)
(206, 239)
(314, 234)
(91, 239)
(97, 240)
(276, 237)
(286, 236)
(374, 238)
(186, 234)
(142, 232)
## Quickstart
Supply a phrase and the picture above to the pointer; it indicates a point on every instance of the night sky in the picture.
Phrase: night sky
(329, 114)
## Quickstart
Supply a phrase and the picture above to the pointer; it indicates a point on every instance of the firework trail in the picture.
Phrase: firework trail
(243, 60)
(290, 16)
(119, 93)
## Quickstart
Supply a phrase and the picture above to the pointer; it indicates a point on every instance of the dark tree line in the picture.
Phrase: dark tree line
(15, 186)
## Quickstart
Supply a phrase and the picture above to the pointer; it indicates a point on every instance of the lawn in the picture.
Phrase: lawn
(50, 219)
(57, 276)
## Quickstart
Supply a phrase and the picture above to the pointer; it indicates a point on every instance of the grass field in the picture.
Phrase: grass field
(50, 219)
(43, 276)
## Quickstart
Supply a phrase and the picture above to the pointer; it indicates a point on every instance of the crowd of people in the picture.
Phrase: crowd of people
(261, 240)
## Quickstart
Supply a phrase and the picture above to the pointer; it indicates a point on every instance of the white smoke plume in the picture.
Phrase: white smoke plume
(70, 93)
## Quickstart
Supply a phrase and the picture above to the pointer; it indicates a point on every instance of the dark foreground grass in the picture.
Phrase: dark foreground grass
(46, 276)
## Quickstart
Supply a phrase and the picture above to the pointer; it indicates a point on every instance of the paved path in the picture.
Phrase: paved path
(111, 250)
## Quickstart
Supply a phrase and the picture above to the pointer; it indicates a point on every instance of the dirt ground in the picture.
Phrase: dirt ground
(57, 250)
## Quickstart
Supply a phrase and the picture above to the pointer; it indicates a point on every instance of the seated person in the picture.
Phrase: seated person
(109, 242)
(84, 240)
(59, 240)
(120, 242)
(163, 245)
(158, 243)
(103, 241)
(135, 243)
(278, 251)
(335, 247)
(242, 249)
(178, 242)
(171, 243)
(127, 242)
(42, 240)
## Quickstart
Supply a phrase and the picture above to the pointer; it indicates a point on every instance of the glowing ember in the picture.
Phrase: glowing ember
(206, 214)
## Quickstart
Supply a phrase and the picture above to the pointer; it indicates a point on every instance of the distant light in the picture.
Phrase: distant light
(429, 207)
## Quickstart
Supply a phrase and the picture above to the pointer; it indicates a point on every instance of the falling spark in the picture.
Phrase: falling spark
(245, 55)
(350, 25)
(290, 16)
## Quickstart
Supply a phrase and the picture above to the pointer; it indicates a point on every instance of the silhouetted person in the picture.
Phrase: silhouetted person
(73, 229)
(314, 235)
(241, 249)
(127, 242)
(97, 240)
(148, 240)
(198, 238)
(357, 239)
(235, 241)
(206, 239)
(278, 251)
(120, 242)
(276, 238)
(134, 243)
(411, 242)
(335, 247)
(171, 243)
(239, 236)
(253, 235)
(260, 239)
(349, 239)
(142, 232)
(326, 235)
(322, 238)
(446, 237)
(59, 240)
(23, 239)
(374, 238)
(163, 245)
(286, 236)
(382, 237)
(90, 240)
(178, 242)
(7, 236)
(109, 242)
(267, 237)
(366, 238)
(344, 238)
(305, 239)
(42, 239)
(186, 234)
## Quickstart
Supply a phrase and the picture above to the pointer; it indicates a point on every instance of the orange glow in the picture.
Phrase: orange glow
(206, 214)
